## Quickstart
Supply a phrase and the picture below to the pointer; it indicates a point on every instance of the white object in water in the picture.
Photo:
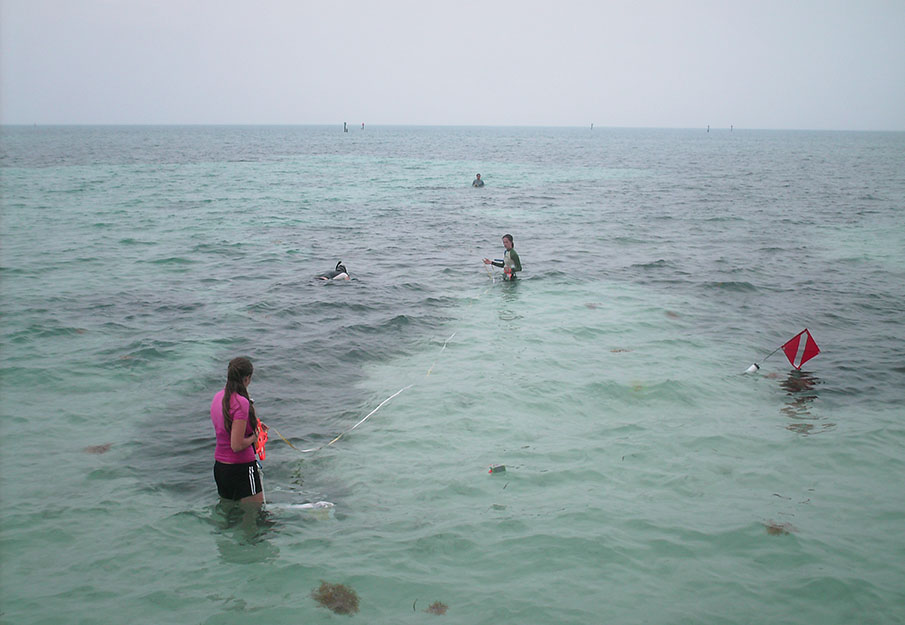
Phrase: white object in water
(752, 369)
(318, 509)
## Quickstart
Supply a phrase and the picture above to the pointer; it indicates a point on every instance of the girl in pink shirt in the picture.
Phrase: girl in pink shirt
(233, 415)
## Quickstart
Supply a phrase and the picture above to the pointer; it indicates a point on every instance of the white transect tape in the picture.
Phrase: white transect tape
(441, 351)
(313, 449)
(367, 416)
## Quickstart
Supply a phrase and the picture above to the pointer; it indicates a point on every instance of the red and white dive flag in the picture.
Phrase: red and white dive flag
(801, 348)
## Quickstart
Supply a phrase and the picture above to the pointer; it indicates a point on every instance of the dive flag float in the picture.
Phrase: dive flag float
(261, 441)
(799, 349)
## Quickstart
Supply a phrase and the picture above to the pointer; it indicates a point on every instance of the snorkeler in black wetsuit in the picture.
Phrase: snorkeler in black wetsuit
(340, 273)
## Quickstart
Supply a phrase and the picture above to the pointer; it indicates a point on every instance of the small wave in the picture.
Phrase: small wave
(553, 274)
(398, 322)
(629, 240)
(261, 307)
(173, 260)
(223, 248)
(732, 286)
(16, 271)
(35, 377)
(330, 308)
(44, 331)
(178, 308)
(140, 352)
(657, 264)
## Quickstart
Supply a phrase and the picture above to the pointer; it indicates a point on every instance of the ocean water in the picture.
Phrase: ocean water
(647, 479)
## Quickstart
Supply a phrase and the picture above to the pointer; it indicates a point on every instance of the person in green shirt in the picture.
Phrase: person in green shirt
(510, 261)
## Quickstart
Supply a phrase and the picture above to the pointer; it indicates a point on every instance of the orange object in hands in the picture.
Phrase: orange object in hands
(261, 441)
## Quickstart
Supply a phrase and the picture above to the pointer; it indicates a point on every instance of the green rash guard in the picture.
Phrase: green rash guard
(510, 258)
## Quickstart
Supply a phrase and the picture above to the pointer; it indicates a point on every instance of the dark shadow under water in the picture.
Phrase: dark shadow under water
(801, 391)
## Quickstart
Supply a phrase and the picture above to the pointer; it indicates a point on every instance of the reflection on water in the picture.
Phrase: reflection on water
(241, 532)
(800, 387)
(510, 300)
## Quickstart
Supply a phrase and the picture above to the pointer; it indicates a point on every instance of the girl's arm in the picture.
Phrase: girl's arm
(237, 439)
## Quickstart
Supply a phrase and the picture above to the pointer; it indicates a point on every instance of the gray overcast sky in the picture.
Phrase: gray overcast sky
(822, 64)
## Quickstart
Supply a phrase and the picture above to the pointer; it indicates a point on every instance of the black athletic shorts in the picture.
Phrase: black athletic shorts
(237, 481)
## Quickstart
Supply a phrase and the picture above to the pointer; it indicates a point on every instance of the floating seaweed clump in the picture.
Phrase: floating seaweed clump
(779, 529)
(437, 607)
(98, 449)
(337, 597)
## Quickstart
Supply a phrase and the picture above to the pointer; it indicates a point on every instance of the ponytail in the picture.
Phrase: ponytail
(238, 369)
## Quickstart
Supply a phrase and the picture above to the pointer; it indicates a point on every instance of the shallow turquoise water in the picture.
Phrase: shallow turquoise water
(643, 469)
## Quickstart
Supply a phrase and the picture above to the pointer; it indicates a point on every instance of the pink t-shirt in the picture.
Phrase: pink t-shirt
(238, 410)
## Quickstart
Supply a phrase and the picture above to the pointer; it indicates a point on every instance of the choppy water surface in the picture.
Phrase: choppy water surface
(647, 480)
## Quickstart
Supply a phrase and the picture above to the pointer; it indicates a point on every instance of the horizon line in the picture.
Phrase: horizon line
(704, 127)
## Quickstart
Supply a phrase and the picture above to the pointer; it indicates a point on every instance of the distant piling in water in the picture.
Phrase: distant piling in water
(345, 127)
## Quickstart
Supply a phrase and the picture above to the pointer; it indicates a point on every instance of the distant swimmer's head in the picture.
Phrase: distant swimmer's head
(478, 176)
(507, 241)
(340, 268)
